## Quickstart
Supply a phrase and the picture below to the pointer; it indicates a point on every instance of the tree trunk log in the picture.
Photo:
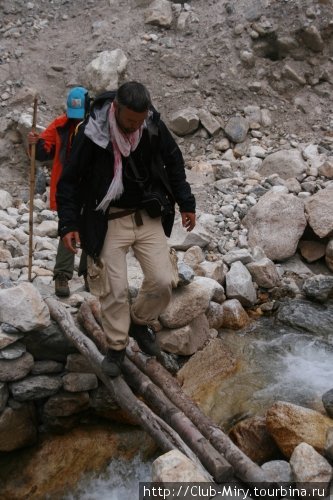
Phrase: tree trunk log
(160, 404)
(246, 470)
(166, 438)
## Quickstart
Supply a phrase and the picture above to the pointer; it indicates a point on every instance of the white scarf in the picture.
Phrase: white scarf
(123, 144)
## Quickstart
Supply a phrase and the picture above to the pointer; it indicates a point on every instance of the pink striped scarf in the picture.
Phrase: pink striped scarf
(123, 144)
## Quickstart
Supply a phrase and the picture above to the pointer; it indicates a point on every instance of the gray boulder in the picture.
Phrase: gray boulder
(319, 210)
(286, 163)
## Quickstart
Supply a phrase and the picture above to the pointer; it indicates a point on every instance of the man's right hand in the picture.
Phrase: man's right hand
(72, 241)
(33, 138)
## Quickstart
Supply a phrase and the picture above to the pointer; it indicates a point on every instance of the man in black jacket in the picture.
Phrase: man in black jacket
(123, 178)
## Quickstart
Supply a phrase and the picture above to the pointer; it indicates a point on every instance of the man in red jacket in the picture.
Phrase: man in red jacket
(54, 143)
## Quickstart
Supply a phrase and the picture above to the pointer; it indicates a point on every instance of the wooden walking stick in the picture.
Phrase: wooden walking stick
(32, 187)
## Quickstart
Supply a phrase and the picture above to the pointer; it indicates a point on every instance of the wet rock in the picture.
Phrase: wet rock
(159, 13)
(264, 273)
(327, 400)
(186, 340)
(176, 467)
(17, 427)
(79, 382)
(15, 369)
(319, 210)
(205, 369)
(291, 425)
(285, 163)
(319, 287)
(251, 436)
(185, 121)
(103, 72)
(266, 224)
(306, 316)
(234, 315)
(236, 129)
(309, 467)
(239, 285)
(35, 387)
(22, 306)
(65, 404)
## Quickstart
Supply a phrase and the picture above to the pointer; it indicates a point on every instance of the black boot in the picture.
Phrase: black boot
(111, 364)
(146, 338)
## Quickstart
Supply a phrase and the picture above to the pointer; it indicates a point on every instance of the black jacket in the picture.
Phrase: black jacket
(89, 173)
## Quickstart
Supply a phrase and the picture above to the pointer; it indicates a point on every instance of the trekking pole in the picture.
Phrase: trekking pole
(32, 187)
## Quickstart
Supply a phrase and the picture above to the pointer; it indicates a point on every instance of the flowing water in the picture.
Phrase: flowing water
(275, 363)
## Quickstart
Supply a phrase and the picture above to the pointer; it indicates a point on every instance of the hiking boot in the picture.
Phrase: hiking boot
(111, 364)
(61, 285)
(86, 283)
(146, 338)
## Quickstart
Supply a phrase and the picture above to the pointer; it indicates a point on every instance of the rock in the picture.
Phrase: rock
(47, 228)
(15, 369)
(213, 270)
(58, 464)
(14, 351)
(267, 228)
(236, 129)
(291, 425)
(159, 13)
(214, 315)
(204, 371)
(278, 471)
(319, 210)
(251, 436)
(306, 316)
(319, 287)
(312, 39)
(286, 163)
(212, 287)
(65, 404)
(326, 169)
(18, 428)
(186, 340)
(292, 71)
(49, 344)
(309, 468)
(176, 467)
(239, 285)
(43, 367)
(3, 396)
(311, 250)
(79, 382)
(7, 339)
(329, 255)
(186, 304)
(6, 200)
(36, 387)
(329, 444)
(243, 255)
(184, 121)
(185, 274)
(264, 273)
(209, 122)
(233, 314)
(22, 306)
(102, 73)
(327, 400)
(182, 240)
(78, 363)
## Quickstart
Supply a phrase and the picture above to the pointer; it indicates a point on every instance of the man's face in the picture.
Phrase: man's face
(129, 121)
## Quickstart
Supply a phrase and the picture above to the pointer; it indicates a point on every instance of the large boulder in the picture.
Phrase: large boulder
(291, 425)
(184, 121)
(176, 467)
(239, 285)
(319, 211)
(103, 72)
(186, 340)
(276, 223)
(286, 163)
(309, 468)
(306, 316)
(22, 306)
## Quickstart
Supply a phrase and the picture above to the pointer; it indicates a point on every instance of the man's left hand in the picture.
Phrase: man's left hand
(188, 220)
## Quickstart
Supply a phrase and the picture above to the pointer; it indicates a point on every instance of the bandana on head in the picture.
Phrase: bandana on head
(123, 144)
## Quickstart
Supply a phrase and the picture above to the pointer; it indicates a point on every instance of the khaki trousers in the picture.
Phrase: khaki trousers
(151, 249)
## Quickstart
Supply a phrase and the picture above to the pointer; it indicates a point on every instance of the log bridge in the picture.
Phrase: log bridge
(166, 413)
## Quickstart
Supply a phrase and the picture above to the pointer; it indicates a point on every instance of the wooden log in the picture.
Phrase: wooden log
(160, 404)
(166, 438)
(244, 468)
